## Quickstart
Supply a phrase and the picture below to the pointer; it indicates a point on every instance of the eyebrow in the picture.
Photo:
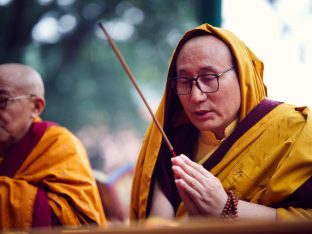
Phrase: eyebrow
(204, 70)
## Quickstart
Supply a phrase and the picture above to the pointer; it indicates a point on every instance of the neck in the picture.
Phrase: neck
(219, 135)
(227, 130)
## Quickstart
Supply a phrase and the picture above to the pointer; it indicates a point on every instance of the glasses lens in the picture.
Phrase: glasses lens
(208, 83)
(182, 85)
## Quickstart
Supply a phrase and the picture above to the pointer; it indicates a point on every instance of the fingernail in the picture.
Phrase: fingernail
(175, 168)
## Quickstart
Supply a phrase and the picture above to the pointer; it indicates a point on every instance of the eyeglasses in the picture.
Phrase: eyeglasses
(207, 83)
(4, 100)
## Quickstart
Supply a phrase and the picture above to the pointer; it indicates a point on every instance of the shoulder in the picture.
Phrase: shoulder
(57, 132)
(57, 146)
(57, 136)
(293, 113)
(293, 120)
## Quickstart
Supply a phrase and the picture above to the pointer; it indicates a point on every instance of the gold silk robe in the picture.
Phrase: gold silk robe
(46, 179)
(269, 164)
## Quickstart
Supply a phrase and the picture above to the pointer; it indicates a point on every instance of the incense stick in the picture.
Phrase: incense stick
(131, 77)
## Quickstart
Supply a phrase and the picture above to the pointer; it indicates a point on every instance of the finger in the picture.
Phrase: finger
(192, 186)
(178, 161)
(195, 165)
(192, 201)
(188, 203)
(192, 182)
(191, 170)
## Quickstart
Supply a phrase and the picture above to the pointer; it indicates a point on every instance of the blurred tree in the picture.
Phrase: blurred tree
(210, 12)
(85, 84)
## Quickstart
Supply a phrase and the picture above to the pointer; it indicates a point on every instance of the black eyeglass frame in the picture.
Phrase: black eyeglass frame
(173, 81)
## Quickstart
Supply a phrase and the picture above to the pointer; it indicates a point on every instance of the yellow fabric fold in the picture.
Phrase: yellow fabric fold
(208, 143)
(59, 165)
(258, 165)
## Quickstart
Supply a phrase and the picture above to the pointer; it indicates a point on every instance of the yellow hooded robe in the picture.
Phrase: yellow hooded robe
(269, 164)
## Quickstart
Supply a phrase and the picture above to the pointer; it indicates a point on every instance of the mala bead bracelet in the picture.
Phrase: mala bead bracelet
(230, 209)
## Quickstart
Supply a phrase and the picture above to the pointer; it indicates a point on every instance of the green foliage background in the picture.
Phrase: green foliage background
(85, 84)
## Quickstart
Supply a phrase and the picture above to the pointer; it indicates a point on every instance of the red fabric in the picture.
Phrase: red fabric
(15, 157)
(17, 154)
(41, 210)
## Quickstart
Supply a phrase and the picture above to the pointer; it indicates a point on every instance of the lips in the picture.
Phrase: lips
(201, 112)
(202, 115)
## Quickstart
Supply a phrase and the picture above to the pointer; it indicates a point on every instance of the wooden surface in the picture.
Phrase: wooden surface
(193, 227)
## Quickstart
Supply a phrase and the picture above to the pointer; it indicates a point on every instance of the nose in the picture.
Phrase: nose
(196, 94)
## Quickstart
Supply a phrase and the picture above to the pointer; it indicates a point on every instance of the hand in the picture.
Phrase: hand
(201, 192)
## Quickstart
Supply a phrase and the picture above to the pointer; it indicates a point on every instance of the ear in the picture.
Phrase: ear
(39, 105)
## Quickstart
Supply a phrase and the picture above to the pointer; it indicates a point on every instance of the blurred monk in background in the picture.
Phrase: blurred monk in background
(45, 175)
(241, 156)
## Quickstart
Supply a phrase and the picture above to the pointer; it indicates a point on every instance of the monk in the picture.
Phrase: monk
(45, 175)
(240, 155)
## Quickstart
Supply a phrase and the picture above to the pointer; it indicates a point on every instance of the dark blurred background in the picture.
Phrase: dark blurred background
(86, 88)
(85, 84)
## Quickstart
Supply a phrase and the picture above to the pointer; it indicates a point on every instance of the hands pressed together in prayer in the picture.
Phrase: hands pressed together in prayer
(201, 192)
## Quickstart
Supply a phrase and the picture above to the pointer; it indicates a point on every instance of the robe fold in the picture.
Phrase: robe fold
(46, 179)
(267, 159)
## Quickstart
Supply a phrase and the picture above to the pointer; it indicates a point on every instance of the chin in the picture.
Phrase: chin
(205, 126)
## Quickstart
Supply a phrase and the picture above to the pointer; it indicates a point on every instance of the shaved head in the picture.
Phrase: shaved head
(17, 115)
(216, 46)
(23, 78)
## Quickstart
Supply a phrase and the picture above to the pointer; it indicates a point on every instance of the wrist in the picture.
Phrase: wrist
(230, 209)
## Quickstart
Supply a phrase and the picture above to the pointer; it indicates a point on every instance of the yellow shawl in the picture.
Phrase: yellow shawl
(266, 165)
(59, 165)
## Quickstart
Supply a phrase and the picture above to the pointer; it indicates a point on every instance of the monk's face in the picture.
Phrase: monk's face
(16, 118)
(209, 111)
